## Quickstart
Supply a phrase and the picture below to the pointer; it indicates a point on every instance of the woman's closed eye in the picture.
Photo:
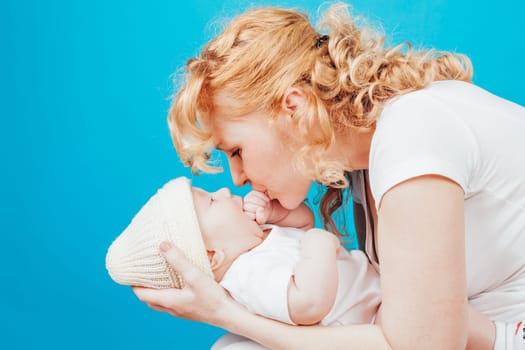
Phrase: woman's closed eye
(236, 153)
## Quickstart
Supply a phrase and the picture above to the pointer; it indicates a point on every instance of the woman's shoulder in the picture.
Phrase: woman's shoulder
(438, 107)
(424, 132)
(435, 94)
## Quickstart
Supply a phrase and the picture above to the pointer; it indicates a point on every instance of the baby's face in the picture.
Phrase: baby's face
(223, 223)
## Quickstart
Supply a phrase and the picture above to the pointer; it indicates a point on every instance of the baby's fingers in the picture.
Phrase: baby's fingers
(261, 216)
(249, 214)
(257, 197)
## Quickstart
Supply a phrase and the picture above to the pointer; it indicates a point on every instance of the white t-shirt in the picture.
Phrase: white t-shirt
(464, 133)
(259, 280)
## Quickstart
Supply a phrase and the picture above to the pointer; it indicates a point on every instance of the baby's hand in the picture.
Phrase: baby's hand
(257, 206)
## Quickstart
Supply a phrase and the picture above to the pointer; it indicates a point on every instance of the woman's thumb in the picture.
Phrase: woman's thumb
(178, 261)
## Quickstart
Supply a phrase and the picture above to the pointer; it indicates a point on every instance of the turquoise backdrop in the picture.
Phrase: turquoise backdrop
(85, 88)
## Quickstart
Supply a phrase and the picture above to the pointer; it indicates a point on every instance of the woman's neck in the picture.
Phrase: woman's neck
(352, 147)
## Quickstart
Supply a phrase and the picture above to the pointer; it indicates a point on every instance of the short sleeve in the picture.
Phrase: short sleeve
(419, 134)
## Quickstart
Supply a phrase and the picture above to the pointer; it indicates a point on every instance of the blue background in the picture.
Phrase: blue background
(85, 88)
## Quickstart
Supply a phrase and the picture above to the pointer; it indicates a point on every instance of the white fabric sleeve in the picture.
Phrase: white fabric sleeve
(417, 134)
(260, 283)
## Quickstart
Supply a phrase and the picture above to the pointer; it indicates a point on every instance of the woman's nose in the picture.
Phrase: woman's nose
(239, 178)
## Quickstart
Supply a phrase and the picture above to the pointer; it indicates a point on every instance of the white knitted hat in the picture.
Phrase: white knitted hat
(134, 257)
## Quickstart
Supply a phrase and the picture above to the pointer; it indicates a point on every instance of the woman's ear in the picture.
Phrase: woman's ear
(216, 258)
(293, 98)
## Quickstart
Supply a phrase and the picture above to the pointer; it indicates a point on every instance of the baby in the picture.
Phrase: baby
(298, 275)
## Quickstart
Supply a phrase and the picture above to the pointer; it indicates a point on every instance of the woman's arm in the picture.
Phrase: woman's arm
(482, 331)
(313, 287)
(421, 248)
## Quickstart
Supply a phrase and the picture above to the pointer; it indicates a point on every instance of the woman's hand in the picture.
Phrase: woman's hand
(201, 299)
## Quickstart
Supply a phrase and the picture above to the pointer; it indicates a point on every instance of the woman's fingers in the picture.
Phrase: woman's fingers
(158, 308)
(159, 297)
(178, 261)
(167, 297)
(200, 299)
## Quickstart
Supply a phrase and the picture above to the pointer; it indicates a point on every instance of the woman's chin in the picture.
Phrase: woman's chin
(289, 204)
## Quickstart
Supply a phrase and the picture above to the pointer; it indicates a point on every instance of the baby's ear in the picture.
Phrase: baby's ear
(216, 258)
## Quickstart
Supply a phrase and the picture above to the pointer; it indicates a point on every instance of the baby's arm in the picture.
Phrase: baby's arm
(313, 287)
(260, 208)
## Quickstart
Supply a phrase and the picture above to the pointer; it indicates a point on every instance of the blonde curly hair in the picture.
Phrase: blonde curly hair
(346, 75)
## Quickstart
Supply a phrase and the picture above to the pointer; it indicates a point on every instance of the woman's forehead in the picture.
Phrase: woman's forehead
(224, 132)
(227, 106)
(222, 105)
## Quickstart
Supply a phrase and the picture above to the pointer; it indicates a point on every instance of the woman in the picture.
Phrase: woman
(439, 196)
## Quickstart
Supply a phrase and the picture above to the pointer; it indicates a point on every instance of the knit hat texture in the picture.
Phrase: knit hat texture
(134, 257)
